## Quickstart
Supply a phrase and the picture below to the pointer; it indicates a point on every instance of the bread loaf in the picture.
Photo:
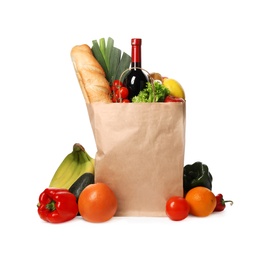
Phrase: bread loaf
(90, 74)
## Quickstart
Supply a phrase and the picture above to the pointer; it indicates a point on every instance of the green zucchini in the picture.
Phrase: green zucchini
(78, 186)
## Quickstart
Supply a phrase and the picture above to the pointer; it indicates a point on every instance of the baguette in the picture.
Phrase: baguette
(91, 76)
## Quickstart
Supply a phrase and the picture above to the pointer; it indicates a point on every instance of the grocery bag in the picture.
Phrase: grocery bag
(140, 153)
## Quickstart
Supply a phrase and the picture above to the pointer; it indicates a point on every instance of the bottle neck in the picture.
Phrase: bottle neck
(136, 65)
(136, 60)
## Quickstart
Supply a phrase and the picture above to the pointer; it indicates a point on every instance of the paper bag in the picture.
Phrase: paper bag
(140, 153)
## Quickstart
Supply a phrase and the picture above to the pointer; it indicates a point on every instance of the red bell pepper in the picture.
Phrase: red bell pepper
(57, 205)
(221, 203)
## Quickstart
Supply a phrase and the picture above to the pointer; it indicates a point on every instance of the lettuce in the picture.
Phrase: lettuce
(152, 93)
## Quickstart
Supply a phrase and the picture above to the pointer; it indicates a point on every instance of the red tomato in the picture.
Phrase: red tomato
(121, 92)
(125, 100)
(113, 89)
(173, 99)
(177, 208)
(117, 83)
(114, 99)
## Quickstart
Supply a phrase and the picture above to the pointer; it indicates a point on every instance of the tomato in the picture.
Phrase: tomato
(117, 83)
(125, 100)
(118, 91)
(113, 89)
(114, 99)
(121, 92)
(177, 208)
(173, 99)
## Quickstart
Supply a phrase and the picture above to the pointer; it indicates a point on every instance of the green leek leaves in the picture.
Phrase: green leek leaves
(113, 61)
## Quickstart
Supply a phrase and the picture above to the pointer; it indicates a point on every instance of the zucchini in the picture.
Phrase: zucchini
(78, 186)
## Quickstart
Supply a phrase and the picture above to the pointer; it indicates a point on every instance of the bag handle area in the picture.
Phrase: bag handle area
(149, 77)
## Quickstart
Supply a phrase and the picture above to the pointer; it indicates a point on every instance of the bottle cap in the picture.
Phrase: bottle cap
(136, 41)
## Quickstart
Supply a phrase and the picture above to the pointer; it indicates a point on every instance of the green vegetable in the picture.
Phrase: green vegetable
(78, 186)
(100, 57)
(196, 174)
(152, 93)
(113, 61)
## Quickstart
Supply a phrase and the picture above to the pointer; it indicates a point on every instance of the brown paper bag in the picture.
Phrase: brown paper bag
(140, 153)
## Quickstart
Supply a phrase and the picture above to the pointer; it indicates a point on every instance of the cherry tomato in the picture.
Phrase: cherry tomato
(113, 89)
(121, 92)
(117, 83)
(177, 208)
(125, 100)
(114, 99)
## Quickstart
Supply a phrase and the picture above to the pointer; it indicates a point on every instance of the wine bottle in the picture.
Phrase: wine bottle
(135, 80)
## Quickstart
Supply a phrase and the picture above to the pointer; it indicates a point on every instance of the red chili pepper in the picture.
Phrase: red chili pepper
(173, 99)
(221, 203)
(57, 205)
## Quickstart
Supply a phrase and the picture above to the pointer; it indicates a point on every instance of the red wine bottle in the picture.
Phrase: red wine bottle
(135, 80)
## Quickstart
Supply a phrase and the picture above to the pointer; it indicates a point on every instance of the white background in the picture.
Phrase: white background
(224, 55)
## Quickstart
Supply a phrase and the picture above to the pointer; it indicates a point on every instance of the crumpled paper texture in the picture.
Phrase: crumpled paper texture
(140, 153)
